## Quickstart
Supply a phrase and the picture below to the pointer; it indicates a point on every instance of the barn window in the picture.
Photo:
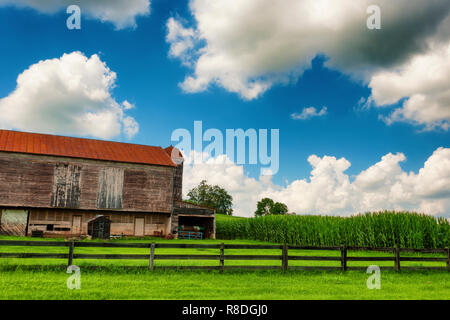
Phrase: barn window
(62, 229)
(158, 219)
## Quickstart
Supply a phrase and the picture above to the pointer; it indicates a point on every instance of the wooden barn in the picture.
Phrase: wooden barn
(57, 184)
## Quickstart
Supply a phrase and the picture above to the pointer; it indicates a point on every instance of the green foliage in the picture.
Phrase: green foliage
(263, 207)
(279, 208)
(267, 206)
(379, 229)
(212, 196)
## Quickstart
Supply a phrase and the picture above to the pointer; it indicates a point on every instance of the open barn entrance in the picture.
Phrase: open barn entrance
(190, 227)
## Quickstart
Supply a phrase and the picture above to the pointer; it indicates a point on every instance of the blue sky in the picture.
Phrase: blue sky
(149, 79)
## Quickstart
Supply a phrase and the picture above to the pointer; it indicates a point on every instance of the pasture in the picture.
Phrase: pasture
(46, 278)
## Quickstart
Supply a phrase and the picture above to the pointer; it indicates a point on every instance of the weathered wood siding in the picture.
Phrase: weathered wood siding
(143, 189)
(25, 182)
(66, 186)
(178, 182)
(61, 220)
(110, 188)
(47, 182)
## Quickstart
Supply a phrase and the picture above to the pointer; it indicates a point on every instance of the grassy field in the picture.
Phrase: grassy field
(115, 282)
(188, 285)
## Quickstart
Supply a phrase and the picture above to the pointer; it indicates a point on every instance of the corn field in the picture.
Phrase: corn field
(378, 229)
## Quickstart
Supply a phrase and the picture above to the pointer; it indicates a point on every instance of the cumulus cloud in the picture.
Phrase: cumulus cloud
(308, 113)
(424, 84)
(329, 190)
(248, 46)
(182, 41)
(70, 95)
(122, 13)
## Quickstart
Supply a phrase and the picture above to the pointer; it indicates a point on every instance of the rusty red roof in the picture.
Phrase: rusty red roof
(176, 154)
(60, 146)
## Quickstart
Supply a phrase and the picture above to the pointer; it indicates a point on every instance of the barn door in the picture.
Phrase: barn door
(76, 225)
(14, 222)
(139, 227)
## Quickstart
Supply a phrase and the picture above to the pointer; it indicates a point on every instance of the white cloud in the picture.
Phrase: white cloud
(308, 113)
(182, 41)
(70, 95)
(329, 189)
(127, 106)
(424, 83)
(248, 46)
(122, 13)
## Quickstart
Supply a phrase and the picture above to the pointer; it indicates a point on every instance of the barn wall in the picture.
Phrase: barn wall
(178, 182)
(59, 222)
(46, 182)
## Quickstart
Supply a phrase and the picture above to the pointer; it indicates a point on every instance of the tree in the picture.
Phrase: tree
(263, 207)
(279, 208)
(267, 206)
(212, 196)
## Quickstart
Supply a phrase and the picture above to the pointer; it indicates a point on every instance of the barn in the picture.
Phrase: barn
(55, 185)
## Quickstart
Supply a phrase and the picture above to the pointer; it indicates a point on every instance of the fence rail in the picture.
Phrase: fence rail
(284, 257)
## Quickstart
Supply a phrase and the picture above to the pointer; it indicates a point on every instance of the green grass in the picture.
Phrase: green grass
(19, 281)
(229, 285)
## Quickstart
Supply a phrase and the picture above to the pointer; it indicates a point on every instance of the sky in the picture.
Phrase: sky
(363, 114)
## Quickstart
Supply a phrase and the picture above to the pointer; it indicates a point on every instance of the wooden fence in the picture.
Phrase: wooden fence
(284, 257)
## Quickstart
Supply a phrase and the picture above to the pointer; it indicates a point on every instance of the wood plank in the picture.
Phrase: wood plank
(423, 259)
(370, 258)
(343, 258)
(381, 249)
(69, 263)
(314, 268)
(187, 246)
(397, 258)
(187, 257)
(33, 255)
(187, 267)
(253, 267)
(284, 258)
(313, 248)
(422, 250)
(252, 246)
(111, 245)
(315, 258)
(152, 257)
(112, 256)
(424, 268)
(253, 257)
(34, 243)
(222, 254)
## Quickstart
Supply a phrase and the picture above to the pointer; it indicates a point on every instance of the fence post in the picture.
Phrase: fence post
(343, 257)
(222, 259)
(152, 257)
(448, 258)
(397, 258)
(284, 258)
(71, 246)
